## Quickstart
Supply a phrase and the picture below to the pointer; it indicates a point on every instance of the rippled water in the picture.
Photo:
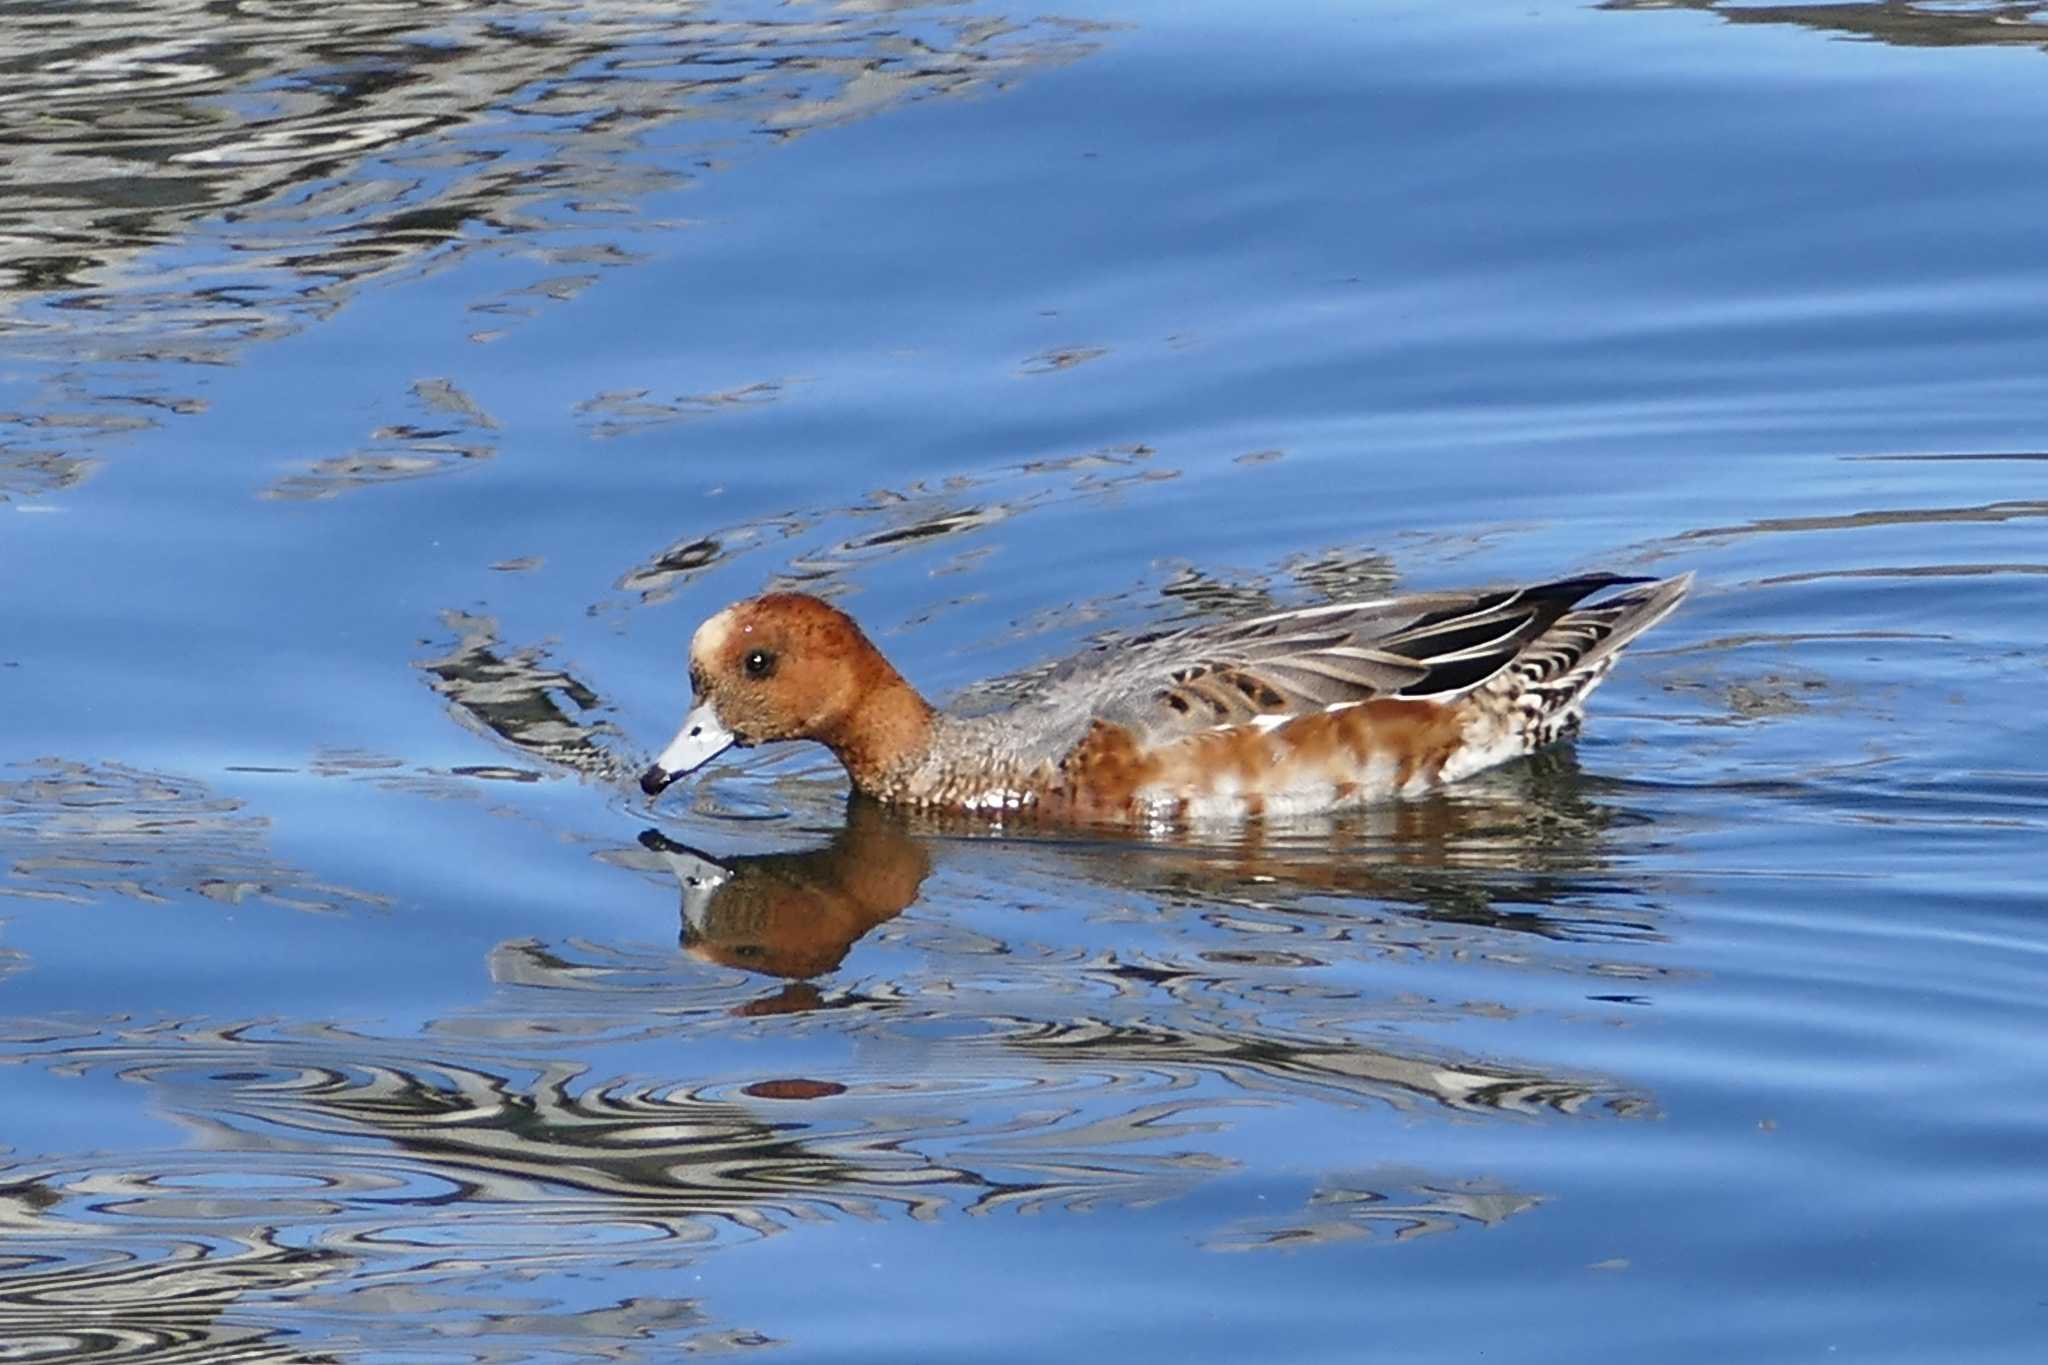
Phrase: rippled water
(386, 391)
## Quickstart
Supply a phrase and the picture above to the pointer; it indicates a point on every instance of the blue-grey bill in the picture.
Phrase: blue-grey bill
(702, 738)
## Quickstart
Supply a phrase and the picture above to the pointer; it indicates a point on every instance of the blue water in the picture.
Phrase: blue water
(386, 395)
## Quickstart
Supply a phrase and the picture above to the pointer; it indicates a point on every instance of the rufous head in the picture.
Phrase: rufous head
(781, 666)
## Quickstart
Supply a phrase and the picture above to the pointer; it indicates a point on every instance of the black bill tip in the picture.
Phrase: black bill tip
(656, 780)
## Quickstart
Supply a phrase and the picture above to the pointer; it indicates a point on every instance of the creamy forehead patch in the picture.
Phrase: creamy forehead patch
(711, 637)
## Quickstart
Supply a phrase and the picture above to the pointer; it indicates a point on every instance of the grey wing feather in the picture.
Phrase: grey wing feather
(1420, 645)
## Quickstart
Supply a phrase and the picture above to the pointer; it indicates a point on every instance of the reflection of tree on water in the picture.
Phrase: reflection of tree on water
(354, 1181)
(142, 136)
(1398, 1205)
(819, 549)
(1899, 22)
(28, 469)
(517, 697)
(79, 832)
(170, 1304)
(292, 155)
(454, 432)
(383, 1162)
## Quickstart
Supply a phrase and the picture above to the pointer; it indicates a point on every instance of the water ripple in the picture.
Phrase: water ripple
(295, 157)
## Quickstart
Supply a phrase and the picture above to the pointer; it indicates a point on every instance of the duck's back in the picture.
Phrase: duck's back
(1298, 697)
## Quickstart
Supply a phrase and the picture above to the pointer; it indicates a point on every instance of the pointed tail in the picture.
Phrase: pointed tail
(1552, 678)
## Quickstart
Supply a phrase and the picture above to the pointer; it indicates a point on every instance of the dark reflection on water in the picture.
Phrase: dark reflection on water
(1943, 23)
(1374, 1206)
(538, 108)
(28, 470)
(335, 1175)
(889, 522)
(518, 697)
(1843, 521)
(454, 431)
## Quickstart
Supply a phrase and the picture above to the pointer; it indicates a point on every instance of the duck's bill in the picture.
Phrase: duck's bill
(702, 738)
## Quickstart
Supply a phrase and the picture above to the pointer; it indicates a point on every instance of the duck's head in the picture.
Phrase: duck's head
(786, 666)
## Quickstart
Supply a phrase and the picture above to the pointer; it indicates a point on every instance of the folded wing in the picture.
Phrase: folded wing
(1270, 668)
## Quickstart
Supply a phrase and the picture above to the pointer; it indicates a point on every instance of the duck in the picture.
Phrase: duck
(1297, 712)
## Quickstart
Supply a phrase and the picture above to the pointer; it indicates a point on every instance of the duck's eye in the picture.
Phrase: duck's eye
(760, 664)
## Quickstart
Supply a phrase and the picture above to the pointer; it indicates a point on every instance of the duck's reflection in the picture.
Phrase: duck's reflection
(1472, 874)
(795, 915)
(1506, 857)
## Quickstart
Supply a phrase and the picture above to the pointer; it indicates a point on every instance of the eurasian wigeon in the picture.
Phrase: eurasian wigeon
(1292, 713)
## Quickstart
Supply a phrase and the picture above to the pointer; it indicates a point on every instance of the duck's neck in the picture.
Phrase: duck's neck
(885, 736)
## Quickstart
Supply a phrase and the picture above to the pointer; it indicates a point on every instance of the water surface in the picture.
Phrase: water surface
(385, 394)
